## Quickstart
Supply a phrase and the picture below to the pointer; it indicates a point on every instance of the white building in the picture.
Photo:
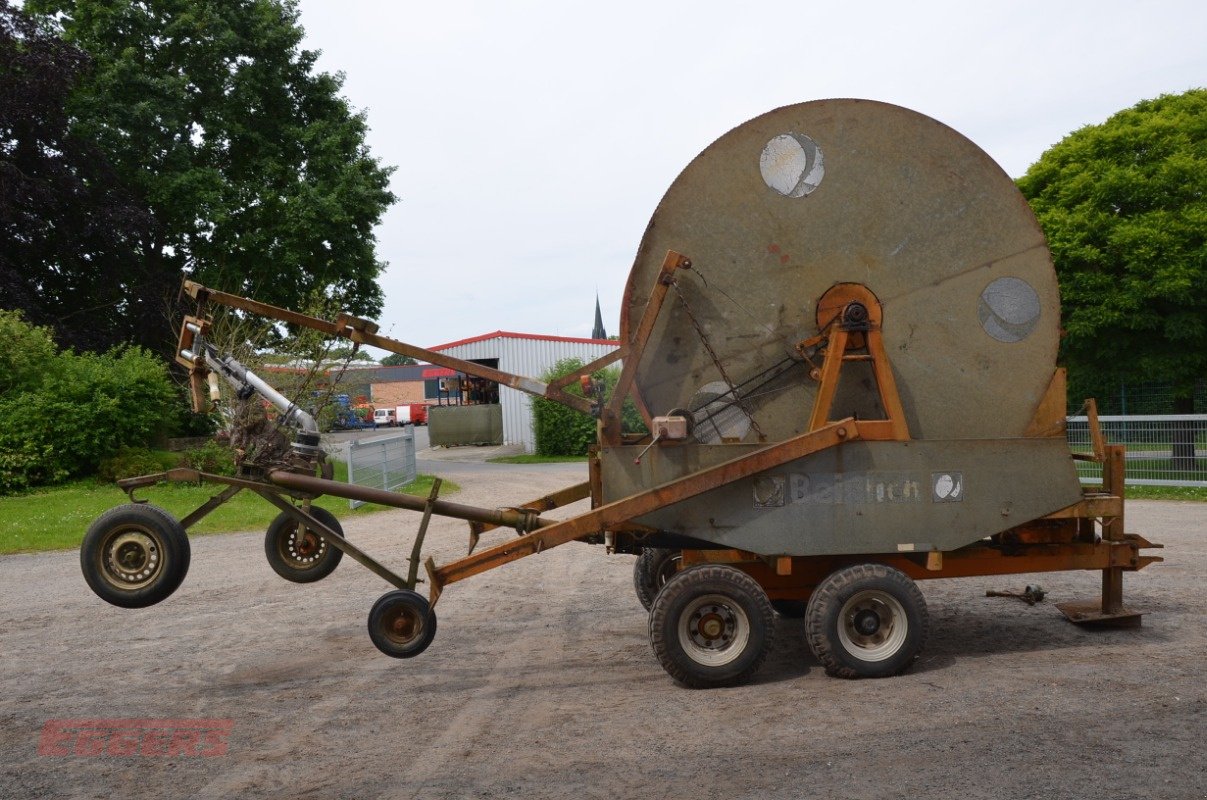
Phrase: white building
(524, 354)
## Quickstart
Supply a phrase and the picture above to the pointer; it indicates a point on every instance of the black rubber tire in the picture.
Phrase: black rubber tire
(891, 604)
(301, 565)
(724, 596)
(402, 624)
(790, 609)
(135, 555)
(653, 568)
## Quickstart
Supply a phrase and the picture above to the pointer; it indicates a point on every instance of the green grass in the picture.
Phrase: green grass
(56, 518)
(525, 458)
(1198, 493)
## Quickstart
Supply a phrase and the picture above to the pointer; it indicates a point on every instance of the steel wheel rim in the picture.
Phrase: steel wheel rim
(302, 552)
(714, 630)
(131, 557)
(668, 570)
(872, 625)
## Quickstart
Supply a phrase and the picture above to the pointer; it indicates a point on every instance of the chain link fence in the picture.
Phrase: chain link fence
(383, 462)
(1162, 449)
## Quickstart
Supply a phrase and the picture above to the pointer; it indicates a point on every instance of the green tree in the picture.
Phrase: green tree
(68, 229)
(1124, 207)
(397, 360)
(255, 171)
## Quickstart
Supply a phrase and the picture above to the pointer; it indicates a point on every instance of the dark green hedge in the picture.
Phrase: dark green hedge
(63, 413)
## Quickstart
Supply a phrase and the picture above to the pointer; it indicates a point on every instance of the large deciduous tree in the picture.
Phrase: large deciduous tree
(253, 168)
(1124, 207)
(69, 232)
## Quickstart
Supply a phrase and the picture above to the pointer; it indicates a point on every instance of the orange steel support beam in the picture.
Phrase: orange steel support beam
(562, 497)
(839, 341)
(609, 429)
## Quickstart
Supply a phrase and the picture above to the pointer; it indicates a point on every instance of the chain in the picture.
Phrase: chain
(716, 288)
(717, 362)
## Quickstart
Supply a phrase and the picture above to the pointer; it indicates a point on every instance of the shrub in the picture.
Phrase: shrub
(562, 431)
(211, 457)
(130, 462)
(61, 414)
(25, 351)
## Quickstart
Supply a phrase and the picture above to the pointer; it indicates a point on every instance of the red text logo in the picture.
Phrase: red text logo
(203, 738)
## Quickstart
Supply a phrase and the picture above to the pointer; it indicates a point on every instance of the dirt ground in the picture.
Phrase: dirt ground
(541, 683)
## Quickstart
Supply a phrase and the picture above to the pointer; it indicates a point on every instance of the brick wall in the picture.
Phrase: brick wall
(387, 395)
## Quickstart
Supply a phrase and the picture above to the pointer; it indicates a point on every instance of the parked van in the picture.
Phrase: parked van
(413, 414)
(385, 417)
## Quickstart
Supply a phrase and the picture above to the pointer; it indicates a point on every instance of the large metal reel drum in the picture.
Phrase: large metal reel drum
(783, 207)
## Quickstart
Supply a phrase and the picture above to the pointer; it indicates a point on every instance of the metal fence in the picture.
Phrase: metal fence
(1162, 450)
(383, 462)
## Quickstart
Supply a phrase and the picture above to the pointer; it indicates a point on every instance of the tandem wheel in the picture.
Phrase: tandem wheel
(653, 568)
(135, 555)
(297, 553)
(402, 624)
(711, 625)
(866, 621)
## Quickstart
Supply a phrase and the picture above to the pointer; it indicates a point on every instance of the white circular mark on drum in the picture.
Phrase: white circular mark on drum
(792, 165)
(1009, 309)
(716, 416)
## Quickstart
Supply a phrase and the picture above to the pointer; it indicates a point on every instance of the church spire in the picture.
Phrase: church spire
(599, 332)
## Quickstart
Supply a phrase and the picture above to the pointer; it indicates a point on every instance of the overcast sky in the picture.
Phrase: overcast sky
(533, 140)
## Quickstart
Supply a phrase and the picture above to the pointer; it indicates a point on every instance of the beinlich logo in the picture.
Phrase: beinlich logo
(201, 738)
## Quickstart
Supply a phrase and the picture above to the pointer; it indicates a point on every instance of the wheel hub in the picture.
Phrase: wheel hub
(308, 544)
(132, 557)
(713, 629)
(711, 626)
(403, 625)
(867, 622)
(872, 625)
(304, 546)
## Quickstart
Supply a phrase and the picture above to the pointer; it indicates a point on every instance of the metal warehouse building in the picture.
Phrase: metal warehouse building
(523, 354)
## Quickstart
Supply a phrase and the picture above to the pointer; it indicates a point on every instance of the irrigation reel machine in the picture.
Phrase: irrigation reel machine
(841, 329)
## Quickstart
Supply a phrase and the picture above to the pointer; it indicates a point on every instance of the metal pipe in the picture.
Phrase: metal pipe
(240, 377)
(502, 517)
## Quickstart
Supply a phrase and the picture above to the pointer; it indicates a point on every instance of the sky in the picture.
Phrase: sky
(532, 141)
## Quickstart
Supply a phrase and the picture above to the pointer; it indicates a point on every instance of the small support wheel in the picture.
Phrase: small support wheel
(135, 555)
(867, 621)
(402, 624)
(654, 567)
(711, 625)
(297, 553)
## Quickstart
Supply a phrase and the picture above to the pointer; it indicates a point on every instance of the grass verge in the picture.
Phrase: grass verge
(1167, 493)
(526, 458)
(57, 517)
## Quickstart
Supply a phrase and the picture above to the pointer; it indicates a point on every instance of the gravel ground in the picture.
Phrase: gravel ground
(541, 683)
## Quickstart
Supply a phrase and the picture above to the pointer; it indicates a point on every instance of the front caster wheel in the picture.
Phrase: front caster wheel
(297, 553)
(711, 626)
(653, 568)
(135, 555)
(402, 624)
(867, 621)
